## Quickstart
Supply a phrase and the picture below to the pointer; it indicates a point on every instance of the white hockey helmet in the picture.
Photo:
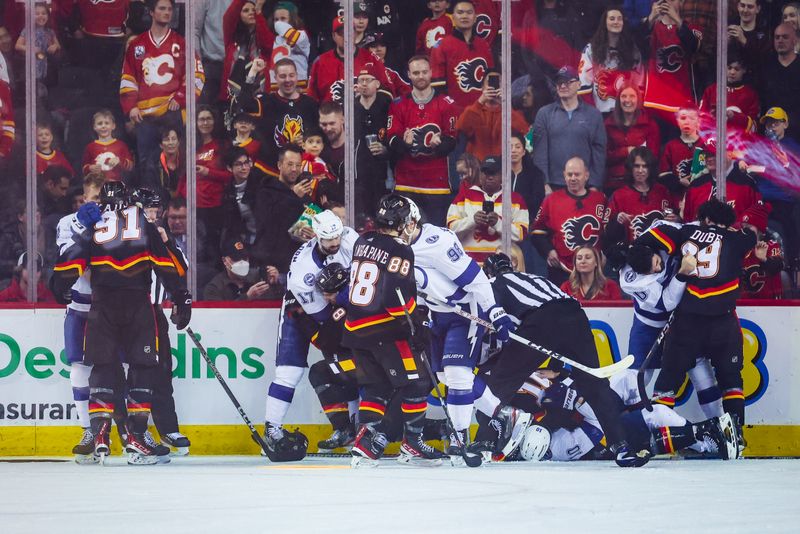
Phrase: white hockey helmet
(327, 225)
(535, 443)
(415, 213)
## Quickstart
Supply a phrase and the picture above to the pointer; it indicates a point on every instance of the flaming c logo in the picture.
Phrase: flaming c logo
(288, 131)
(470, 74)
(669, 58)
(581, 231)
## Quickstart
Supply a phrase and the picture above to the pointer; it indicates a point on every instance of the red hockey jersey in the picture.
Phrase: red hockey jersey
(487, 19)
(326, 81)
(571, 222)
(676, 163)
(431, 31)
(103, 153)
(742, 100)
(103, 18)
(422, 170)
(669, 71)
(56, 157)
(252, 147)
(7, 123)
(740, 189)
(458, 68)
(154, 73)
(756, 283)
(644, 208)
(210, 188)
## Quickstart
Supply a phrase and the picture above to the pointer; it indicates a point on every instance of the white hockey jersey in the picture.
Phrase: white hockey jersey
(444, 271)
(306, 264)
(67, 228)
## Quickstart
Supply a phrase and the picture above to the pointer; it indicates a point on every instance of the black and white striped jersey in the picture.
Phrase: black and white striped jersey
(521, 293)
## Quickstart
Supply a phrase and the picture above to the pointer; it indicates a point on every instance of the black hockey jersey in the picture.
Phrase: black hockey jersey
(381, 264)
(720, 253)
(522, 293)
(122, 250)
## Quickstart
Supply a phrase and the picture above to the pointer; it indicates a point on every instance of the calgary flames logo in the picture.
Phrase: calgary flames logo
(608, 82)
(152, 69)
(642, 222)
(470, 74)
(581, 231)
(753, 278)
(423, 136)
(669, 58)
(337, 91)
(289, 131)
(483, 26)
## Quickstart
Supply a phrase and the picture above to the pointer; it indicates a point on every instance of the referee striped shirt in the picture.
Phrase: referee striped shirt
(521, 293)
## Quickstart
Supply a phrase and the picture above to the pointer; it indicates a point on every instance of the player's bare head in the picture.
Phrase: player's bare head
(92, 184)
(716, 212)
(576, 175)
(643, 259)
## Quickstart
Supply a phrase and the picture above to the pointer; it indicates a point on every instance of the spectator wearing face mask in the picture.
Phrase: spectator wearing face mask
(240, 280)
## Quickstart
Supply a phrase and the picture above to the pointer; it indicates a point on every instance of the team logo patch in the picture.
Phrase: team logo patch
(432, 239)
(423, 136)
(287, 132)
(581, 231)
(642, 222)
(669, 58)
(483, 26)
(470, 74)
(138, 52)
(309, 279)
(630, 276)
(337, 91)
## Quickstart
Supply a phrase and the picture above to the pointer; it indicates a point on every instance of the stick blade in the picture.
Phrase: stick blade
(614, 368)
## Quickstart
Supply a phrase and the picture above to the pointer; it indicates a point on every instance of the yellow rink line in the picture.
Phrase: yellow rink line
(763, 441)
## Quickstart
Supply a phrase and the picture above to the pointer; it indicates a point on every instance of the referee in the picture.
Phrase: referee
(551, 318)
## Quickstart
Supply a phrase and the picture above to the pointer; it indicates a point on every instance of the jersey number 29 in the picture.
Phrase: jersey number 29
(707, 257)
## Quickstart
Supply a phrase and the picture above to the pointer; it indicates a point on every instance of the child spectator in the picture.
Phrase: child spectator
(105, 154)
(45, 42)
(743, 105)
(244, 125)
(291, 41)
(434, 28)
(46, 155)
(314, 165)
(586, 281)
(761, 270)
(676, 160)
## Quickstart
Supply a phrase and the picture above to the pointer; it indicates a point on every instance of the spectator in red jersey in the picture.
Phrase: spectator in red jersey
(569, 218)
(105, 154)
(17, 290)
(434, 28)
(629, 126)
(742, 100)
(675, 167)
(640, 202)
(46, 155)
(212, 178)
(100, 40)
(761, 270)
(247, 36)
(481, 122)
(461, 60)
(587, 281)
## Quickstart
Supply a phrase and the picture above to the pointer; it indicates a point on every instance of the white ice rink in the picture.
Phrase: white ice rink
(247, 494)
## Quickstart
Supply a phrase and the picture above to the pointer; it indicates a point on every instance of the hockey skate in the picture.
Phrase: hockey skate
(142, 450)
(734, 428)
(415, 451)
(719, 436)
(283, 445)
(102, 443)
(84, 450)
(340, 439)
(453, 450)
(368, 448)
(177, 441)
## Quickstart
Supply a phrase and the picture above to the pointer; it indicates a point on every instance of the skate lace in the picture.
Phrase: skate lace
(87, 437)
(456, 439)
(174, 436)
(275, 432)
(149, 440)
(380, 440)
(710, 445)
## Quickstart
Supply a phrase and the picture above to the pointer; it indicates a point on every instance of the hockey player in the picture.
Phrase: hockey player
(385, 361)
(705, 321)
(122, 248)
(545, 314)
(445, 272)
(656, 282)
(333, 243)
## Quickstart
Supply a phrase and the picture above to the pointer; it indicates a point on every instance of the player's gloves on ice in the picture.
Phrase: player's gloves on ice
(624, 456)
(181, 309)
(560, 395)
(89, 214)
(503, 325)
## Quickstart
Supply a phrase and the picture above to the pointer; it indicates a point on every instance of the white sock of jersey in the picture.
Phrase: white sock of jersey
(79, 380)
(352, 409)
(281, 392)
(459, 382)
(485, 401)
(705, 385)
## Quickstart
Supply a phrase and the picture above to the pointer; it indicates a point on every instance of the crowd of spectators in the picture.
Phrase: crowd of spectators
(614, 111)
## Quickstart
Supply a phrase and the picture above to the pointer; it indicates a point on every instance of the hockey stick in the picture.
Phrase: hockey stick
(471, 461)
(599, 372)
(645, 398)
(253, 433)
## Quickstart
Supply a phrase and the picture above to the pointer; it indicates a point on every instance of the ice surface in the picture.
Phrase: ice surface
(247, 494)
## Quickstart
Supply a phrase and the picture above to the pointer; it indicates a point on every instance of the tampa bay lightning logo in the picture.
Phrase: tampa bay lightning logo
(642, 222)
(581, 231)
(630, 276)
(669, 58)
(470, 74)
(309, 279)
(432, 239)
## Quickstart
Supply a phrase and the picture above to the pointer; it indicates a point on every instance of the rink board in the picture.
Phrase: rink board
(37, 416)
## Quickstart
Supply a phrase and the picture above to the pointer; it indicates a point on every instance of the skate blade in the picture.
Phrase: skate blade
(731, 442)
(182, 451)
(134, 458)
(87, 459)
(457, 461)
(359, 462)
(419, 462)
(102, 457)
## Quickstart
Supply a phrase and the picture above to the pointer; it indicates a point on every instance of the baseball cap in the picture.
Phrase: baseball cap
(235, 249)
(360, 8)
(369, 69)
(566, 74)
(338, 23)
(775, 113)
(492, 165)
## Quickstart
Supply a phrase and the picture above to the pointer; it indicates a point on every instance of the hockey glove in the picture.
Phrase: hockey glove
(502, 323)
(181, 309)
(89, 214)
(561, 396)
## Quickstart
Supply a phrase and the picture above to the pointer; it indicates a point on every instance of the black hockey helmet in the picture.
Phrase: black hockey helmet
(113, 196)
(144, 197)
(497, 264)
(394, 211)
(332, 278)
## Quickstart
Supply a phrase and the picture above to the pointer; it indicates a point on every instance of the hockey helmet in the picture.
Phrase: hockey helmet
(497, 264)
(292, 447)
(332, 278)
(416, 215)
(394, 212)
(144, 198)
(535, 444)
(113, 196)
(327, 225)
